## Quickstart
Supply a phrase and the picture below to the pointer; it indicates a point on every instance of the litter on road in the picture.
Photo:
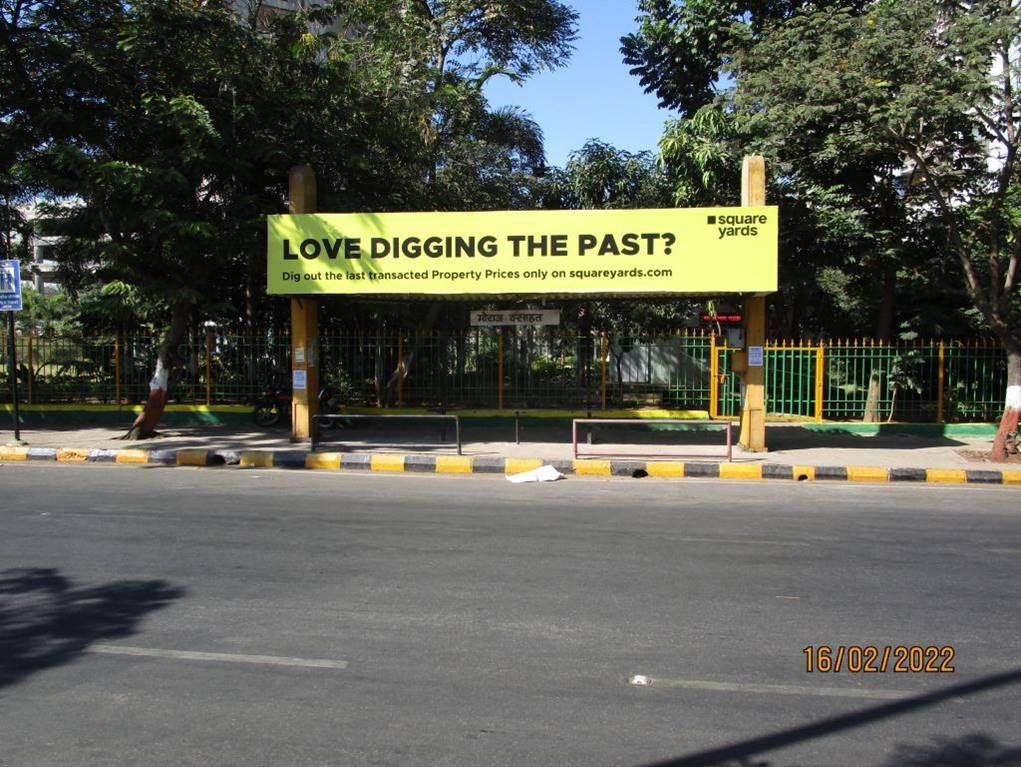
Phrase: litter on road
(542, 474)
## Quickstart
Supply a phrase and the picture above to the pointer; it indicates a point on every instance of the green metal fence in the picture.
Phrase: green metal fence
(903, 381)
(518, 368)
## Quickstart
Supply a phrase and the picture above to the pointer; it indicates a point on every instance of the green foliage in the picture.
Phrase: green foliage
(901, 107)
(682, 47)
(701, 155)
(878, 120)
(601, 176)
(46, 314)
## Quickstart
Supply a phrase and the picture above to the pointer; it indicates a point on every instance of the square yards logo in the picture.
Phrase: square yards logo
(736, 225)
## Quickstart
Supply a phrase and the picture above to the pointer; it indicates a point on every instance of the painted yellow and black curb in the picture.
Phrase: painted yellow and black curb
(455, 464)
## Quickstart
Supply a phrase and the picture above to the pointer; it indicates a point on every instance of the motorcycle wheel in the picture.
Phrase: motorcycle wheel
(266, 415)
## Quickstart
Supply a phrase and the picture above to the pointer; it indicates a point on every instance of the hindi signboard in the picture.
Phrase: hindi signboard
(498, 317)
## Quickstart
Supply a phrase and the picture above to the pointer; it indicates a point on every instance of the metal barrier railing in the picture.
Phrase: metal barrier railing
(318, 419)
(726, 425)
(832, 379)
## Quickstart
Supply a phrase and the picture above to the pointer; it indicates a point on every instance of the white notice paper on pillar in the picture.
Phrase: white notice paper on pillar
(299, 381)
(299, 355)
(754, 356)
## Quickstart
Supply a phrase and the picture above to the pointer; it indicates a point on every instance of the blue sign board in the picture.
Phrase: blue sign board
(10, 286)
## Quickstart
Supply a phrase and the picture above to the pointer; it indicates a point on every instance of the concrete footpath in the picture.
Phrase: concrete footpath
(855, 452)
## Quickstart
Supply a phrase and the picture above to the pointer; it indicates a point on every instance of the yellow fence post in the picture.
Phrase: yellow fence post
(940, 384)
(31, 369)
(117, 343)
(602, 360)
(714, 379)
(499, 367)
(209, 368)
(400, 370)
(819, 372)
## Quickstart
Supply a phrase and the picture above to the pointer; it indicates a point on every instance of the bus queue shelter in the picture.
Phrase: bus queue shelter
(489, 255)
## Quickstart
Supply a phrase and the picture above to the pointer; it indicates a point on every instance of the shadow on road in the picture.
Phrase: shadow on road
(976, 750)
(46, 621)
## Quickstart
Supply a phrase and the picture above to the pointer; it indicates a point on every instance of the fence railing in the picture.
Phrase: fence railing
(535, 368)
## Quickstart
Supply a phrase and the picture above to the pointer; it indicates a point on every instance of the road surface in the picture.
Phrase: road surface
(174, 616)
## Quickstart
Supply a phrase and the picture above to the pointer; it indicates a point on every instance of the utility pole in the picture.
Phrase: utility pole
(304, 323)
(753, 410)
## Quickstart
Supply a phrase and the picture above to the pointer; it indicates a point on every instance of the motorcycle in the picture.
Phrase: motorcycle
(274, 406)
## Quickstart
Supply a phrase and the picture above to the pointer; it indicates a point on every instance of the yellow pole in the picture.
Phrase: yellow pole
(400, 370)
(753, 411)
(304, 323)
(499, 367)
(602, 358)
(209, 368)
(714, 379)
(940, 378)
(31, 369)
(819, 390)
(117, 368)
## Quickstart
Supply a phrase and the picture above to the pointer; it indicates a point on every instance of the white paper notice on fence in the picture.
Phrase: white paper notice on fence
(754, 356)
(299, 380)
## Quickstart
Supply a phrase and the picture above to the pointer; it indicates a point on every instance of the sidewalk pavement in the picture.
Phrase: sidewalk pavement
(795, 452)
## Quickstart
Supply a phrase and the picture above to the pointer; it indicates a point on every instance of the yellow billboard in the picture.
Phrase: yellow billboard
(579, 252)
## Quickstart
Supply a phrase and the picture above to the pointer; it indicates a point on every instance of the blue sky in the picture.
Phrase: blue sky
(594, 96)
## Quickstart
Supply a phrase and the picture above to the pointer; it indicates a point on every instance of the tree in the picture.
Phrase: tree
(600, 176)
(931, 88)
(164, 139)
(438, 55)
(682, 47)
(892, 129)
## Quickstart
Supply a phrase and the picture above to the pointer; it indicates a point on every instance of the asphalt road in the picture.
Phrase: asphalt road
(171, 616)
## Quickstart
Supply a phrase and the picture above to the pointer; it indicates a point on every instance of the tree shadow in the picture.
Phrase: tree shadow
(975, 750)
(966, 751)
(46, 621)
(885, 436)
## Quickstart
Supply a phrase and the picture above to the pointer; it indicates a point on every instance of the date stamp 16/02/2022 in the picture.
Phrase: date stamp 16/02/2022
(876, 659)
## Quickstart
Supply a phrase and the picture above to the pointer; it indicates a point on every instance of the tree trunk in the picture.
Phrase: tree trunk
(884, 325)
(871, 414)
(411, 351)
(1011, 404)
(144, 426)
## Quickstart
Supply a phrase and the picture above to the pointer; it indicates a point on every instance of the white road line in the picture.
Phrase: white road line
(266, 660)
(781, 689)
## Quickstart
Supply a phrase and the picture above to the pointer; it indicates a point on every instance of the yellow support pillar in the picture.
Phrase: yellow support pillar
(304, 323)
(753, 410)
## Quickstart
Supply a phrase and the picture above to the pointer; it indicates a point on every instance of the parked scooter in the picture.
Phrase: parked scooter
(274, 406)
